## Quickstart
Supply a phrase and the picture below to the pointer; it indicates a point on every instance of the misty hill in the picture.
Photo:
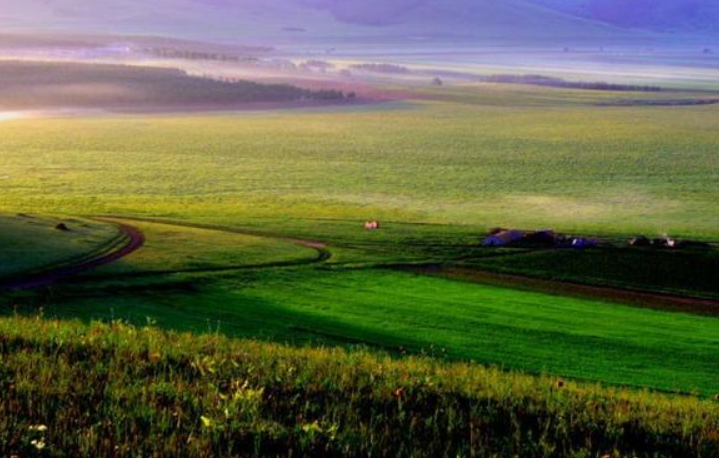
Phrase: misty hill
(687, 16)
(252, 21)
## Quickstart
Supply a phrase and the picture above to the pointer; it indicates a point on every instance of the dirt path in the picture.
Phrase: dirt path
(134, 240)
(635, 298)
(323, 253)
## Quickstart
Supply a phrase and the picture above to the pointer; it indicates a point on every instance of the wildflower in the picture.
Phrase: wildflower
(38, 428)
(312, 428)
(399, 392)
(38, 443)
(206, 422)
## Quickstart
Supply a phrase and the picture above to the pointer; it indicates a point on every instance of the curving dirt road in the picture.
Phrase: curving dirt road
(134, 240)
(323, 252)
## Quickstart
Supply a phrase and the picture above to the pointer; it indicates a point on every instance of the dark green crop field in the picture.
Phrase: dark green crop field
(682, 272)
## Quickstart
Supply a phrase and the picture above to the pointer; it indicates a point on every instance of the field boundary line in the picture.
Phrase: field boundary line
(626, 296)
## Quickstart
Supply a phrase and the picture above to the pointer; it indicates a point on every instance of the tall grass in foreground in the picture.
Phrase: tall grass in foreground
(69, 389)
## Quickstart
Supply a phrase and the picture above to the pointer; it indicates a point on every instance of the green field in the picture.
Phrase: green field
(437, 171)
(557, 163)
(30, 243)
(175, 249)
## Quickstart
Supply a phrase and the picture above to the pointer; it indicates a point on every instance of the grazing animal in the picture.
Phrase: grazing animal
(371, 225)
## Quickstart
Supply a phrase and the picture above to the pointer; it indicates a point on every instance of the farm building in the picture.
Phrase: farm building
(504, 238)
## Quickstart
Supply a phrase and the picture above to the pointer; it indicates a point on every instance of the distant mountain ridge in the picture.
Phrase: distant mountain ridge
(673, 16)
(258, 20)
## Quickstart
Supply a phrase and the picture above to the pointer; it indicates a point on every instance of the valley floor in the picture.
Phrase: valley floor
(254, 227)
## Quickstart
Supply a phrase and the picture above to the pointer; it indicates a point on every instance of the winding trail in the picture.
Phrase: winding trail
(134, 239)
(323, 252)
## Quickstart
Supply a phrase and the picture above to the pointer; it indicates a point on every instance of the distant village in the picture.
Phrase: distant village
(501, 237)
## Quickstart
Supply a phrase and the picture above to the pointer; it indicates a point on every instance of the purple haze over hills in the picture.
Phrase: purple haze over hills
(661, 15)
(519, 20)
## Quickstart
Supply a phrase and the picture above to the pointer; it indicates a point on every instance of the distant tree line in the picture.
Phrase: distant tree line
(188, 54)
(28, 85)
(665, 102)
(382, 68)
(318, 64)
(541, 80)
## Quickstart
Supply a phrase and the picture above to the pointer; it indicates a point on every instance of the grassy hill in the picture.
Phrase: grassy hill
(69, 389)
(31, 243)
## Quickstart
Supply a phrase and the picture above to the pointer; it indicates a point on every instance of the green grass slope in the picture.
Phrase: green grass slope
(176, 249)
(399, 312)
(30, 243)
(112, 390)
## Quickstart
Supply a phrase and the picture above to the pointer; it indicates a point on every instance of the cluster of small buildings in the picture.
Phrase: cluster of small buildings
(544, 238)
(547, 238)
(501, 237)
